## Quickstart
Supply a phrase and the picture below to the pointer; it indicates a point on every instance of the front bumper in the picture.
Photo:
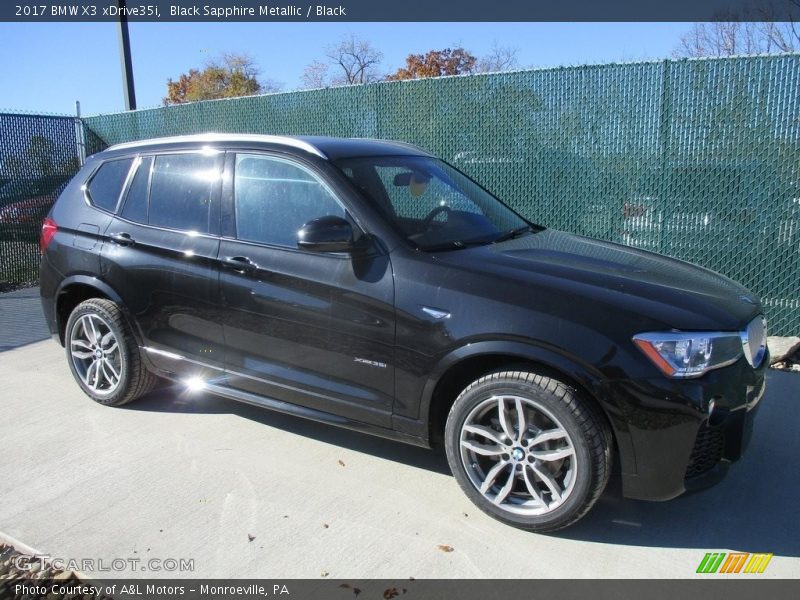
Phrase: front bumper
(675, 445)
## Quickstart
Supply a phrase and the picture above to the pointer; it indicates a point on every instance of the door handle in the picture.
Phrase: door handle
(122, 239)
(241, 264)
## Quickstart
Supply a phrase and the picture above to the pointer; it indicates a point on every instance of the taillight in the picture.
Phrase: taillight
(49, 229)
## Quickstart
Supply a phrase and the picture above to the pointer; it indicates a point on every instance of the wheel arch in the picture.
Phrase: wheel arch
(468, 363)
(75, 289)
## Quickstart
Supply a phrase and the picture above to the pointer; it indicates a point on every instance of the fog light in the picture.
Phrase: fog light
(195, 384)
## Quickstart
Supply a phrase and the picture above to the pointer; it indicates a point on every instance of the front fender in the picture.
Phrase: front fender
(571, 369)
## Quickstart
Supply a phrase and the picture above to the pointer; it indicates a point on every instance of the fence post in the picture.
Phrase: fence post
(665, 122)
(80, 139)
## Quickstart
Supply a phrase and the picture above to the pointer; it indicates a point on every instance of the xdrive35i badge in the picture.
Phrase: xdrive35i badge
(371, 363)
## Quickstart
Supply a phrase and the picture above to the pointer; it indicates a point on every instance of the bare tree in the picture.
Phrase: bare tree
(722, 38)
(500, 58)
(352, 61)
(764, 31)
(785, 37)
(315, 75)
(781, 28)
(355, 60)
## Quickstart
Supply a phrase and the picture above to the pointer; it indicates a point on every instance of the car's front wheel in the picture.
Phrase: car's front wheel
(528, 449)
(103, 355)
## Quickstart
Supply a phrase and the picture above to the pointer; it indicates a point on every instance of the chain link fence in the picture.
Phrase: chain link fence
(696, 159)
(38, 155)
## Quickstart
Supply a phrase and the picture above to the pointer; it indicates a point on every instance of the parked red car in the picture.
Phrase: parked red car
(30, 211)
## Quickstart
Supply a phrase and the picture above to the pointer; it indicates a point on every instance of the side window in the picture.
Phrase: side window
(274, 198)
(135, 207)
(105, 186)
(180, 191)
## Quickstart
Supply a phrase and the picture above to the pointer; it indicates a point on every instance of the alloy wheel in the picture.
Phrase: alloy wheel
(518, 455)
(96, 354)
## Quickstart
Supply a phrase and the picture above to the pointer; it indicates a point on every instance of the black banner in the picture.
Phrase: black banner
(403, 589)
(398, 10)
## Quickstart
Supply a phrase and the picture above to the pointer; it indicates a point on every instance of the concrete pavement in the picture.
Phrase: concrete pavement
(21, 319)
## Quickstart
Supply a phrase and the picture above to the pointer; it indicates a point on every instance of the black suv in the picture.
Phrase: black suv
(368, 284)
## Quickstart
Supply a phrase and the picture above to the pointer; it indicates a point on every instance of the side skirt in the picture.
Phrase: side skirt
(220, 389)
(214, 382)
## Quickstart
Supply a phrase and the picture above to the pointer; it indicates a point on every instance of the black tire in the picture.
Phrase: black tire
(134, 379)
(549, 401)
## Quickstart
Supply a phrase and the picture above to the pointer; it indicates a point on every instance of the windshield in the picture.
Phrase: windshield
(435, 206)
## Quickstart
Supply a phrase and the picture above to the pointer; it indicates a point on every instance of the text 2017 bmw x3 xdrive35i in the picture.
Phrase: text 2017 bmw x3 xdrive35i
(367, 284)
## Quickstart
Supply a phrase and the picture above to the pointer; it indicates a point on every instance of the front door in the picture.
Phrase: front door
(309, 328)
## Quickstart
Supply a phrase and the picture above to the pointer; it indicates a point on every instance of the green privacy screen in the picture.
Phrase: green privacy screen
(695, 159)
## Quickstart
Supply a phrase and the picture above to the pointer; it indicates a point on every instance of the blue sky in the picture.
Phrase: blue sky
(47, 66)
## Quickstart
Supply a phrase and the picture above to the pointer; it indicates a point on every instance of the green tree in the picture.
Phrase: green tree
(436, 63)
(231, 76)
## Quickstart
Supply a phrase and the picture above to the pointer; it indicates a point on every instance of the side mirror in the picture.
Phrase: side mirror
(326, 234)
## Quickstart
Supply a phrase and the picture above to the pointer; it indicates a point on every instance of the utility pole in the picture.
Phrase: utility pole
(125, 57)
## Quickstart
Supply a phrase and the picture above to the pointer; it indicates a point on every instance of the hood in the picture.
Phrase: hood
(673, 292)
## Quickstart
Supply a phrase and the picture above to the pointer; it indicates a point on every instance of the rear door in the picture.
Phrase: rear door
(314, 329)
(160, 255)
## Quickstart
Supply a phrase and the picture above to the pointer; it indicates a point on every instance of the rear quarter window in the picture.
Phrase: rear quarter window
(105, 186)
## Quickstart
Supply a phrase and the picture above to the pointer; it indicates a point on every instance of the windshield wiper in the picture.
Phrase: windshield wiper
(455, 245)
(483, 241)
(512, 233)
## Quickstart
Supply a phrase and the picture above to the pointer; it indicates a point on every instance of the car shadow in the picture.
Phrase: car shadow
(174, 399)
(754, 509)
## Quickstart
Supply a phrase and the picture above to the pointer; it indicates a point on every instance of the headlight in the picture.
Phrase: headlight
(679, 354)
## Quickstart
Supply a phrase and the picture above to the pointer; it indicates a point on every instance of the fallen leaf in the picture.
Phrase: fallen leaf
(324, 574)
(341, 462)
(445, 548)
(325, 525)
(390, 593)
(250, 537)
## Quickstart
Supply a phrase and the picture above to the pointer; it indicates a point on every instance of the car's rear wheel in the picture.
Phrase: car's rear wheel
(103, 355)
(528, 449)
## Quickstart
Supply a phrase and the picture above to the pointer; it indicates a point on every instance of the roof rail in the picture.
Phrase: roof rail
(395, 142)
(211, 138)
